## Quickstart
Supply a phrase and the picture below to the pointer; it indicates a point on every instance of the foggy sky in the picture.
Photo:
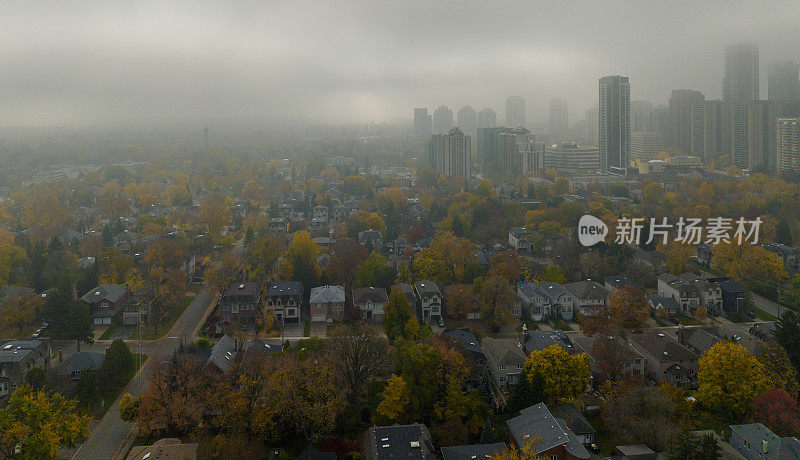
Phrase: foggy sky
(104, 62)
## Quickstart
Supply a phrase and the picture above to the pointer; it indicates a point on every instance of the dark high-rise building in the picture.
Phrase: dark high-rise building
(559, 116)
(489, 148)
(740, 80)
(614, 118)
(788, 145)
(450, 154)
(442, 119)
(422, 122)
(487, 118)
(661, 119)
(520, 152)
(592, 127)
(642, 117)
(681, 104)
(709, 136)
(467, 119)
(515, 111)
(783, 84)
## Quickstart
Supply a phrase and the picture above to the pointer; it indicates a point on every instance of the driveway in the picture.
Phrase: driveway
(319, 329)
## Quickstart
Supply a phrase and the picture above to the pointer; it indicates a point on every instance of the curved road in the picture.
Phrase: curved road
(108, 438)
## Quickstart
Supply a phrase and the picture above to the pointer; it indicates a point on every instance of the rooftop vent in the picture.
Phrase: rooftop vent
(241, 286)
(414, 443)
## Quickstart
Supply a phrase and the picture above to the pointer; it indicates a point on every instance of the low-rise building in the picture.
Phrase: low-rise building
(549, 437)
(667, 360)
(412, 442)
(430, 301)
(504, 359)
(241, 303)
(167, 448)
(754, 441)
(686, 294)
(105, 302)
(326, 303)
(587, 295)
(17, 357)
(285, 298)
(473, 452)
(371, 301)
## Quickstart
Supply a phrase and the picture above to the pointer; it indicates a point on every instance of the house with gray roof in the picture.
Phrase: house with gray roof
(17, 357)
(326, 303)
(667, 359)
(411, 442)
(430, 301)
(371, 238)
(241, 303)
(105, 302)
(614, 282)
(665, 305)
(598, 347)
(545, 300)
(223, 354)
(587, 294)
(575, 420)
(469, 346)
(504, 359)
(285, 298)
(75, 364)
(754, 441)
(535, 340)
(371, 300)
(473, 452)
(548, 435)
(411, 295)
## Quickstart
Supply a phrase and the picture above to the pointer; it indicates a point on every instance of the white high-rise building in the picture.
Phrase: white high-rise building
(788, 145)
(450, 153)
(467, 119)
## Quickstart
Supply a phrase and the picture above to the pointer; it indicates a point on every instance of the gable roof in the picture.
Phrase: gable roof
(467, 339)
(539, 340)
(327, 294)
(473, 452)
(367, 294)
(110, 292)
(503, 351)
(661, 346)
(284, 288)
(223, 353)
(399, 441)
(248, 288)
(426, 288)
(777, 448)
(574, 418)
(587, 289)
(536, 422)
(80, 361)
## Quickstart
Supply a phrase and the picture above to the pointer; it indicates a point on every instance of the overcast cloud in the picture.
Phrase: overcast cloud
(103, 62)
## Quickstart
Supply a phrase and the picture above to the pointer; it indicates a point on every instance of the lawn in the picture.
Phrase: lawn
(559, 324)
(149, 331)
(306, 329)
(763, 315)
(686, 320)
(109, 332)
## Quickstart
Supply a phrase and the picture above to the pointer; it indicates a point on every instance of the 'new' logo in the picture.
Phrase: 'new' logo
(591, 230)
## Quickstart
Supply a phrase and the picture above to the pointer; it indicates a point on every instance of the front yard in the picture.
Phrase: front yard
(151, 332)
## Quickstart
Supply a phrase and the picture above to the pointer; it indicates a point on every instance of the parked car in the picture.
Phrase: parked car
(441, 322)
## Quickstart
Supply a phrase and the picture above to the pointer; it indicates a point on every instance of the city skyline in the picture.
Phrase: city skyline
(235, 62)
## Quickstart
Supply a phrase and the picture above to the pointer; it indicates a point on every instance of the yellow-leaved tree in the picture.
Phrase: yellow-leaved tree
(395, 399)
(730, 379)
(563, 376)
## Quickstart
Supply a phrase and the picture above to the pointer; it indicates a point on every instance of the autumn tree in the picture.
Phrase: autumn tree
(19, 312)
(747, 263)
(11, 256)
(563, 376)
(428, 265)
(729, 379)
(346, 257)
(168, 289)
(686, 444)
(300, 261)
(787, 334)
(628, 306)
(164, 252)
(778, 411)
(118, 367)
(394, 399)
(638, 414)
(374, 271)
(508, 264)
(35, 424)
(359, 355)
(176, 397)
(218, 277)
(262, 255)
(397, 313)
(214, 215)
(778, 367)
(460, 301)
(677, 256)
(113, 265)
(495, 296)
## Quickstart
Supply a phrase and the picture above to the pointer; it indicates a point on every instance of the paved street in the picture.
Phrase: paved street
(769, 306)
(109, 436)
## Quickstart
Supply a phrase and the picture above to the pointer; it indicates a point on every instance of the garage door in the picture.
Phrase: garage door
(318, 318)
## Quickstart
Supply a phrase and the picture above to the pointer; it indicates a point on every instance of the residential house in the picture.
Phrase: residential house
(412, 442)
(5, 388)
(326, 303)
(789, 256)
(667, 360)
(686, 294)
(136, 308)
(73, 366)
(700, 339)
(575, 421)
(545, 300)
(598, 347)
(411, 295)
(703, 254)
(17, 357)
(733, 294)
(241, 303)
(285, 298)
(522, 239)
(452, 310)
(548, 435)
(536, 340)
(468, 346)
(167, 448)
(504, 359)
(223, 354)
(710, 293)
(614, 282)
(371, 301)
(430, 301)
(371, 238)
(126, 241)
(105, 302)
(653, 259)
(473, 452)
(659, 304)
(754, 441)
(586, 295)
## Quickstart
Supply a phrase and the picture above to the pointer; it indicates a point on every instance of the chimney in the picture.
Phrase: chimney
(764, 446)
